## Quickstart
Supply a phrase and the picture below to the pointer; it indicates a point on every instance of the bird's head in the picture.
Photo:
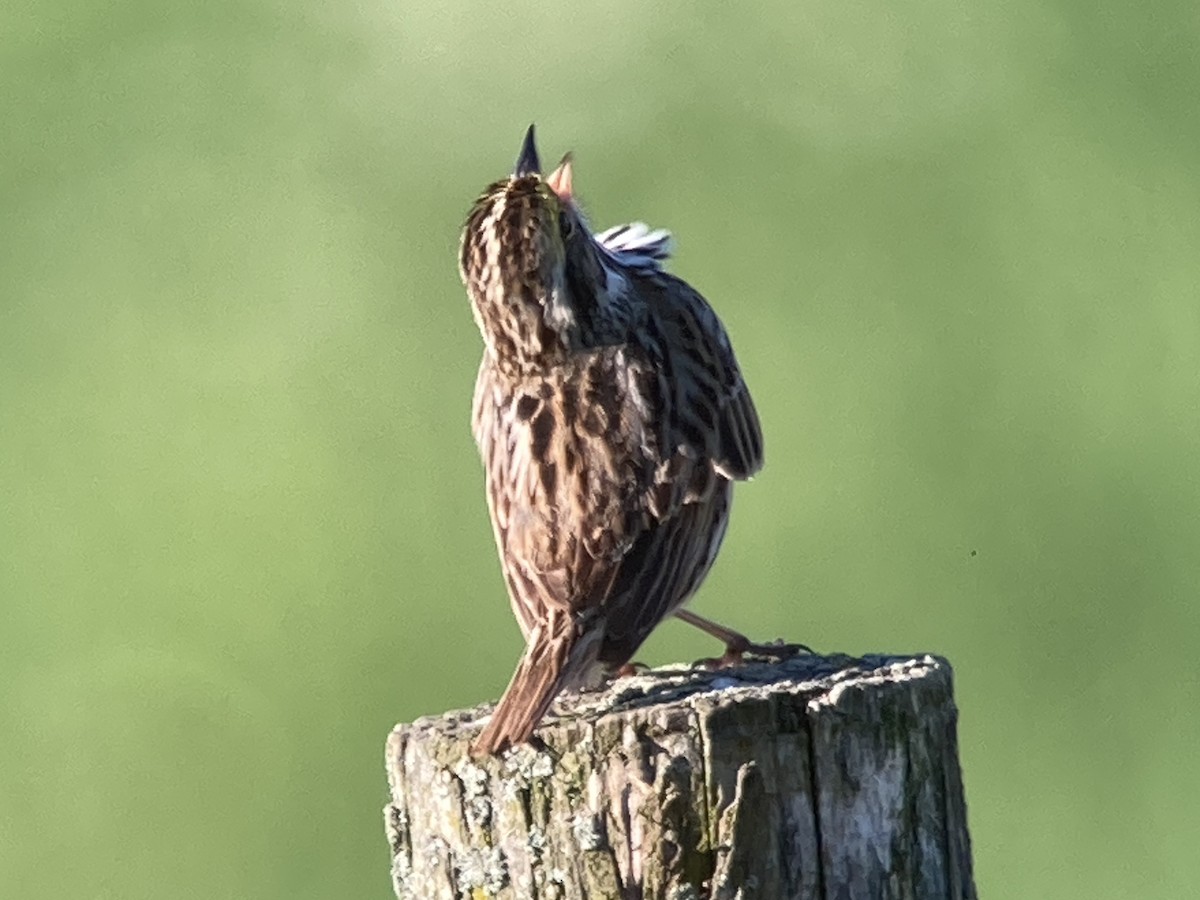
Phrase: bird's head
(538, 282)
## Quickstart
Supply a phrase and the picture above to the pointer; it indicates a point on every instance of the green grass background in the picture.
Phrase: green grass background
(241, 519)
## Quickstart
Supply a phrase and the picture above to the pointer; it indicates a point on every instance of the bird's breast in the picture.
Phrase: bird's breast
(569, 455)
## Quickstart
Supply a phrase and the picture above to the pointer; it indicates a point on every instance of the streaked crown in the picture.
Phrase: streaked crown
(538, 282)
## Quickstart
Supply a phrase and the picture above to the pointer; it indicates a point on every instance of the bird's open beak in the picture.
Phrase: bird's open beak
(560, 179)
(527, 162)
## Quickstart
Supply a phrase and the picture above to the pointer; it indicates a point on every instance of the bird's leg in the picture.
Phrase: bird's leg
(737, 645)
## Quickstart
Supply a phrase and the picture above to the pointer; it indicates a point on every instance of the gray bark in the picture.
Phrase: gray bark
(816, 777)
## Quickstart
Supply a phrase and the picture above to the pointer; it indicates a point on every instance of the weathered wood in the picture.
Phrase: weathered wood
(813, 778)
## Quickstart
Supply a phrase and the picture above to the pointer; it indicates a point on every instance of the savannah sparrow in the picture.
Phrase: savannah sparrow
(612, 420)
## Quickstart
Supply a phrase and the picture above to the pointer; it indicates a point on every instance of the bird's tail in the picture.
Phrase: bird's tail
(559, 653)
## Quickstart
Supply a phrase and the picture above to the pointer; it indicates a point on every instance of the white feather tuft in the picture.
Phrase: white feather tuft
(637, 245)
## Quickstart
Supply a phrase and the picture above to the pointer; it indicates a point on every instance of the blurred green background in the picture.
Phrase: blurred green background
(243, 531)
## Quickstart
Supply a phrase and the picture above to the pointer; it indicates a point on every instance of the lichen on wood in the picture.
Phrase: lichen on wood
(816, 777)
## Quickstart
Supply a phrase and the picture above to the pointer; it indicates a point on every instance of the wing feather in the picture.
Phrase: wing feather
(710, 396)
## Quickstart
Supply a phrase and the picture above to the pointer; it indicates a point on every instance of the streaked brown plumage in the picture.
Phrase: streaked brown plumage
(612, 420)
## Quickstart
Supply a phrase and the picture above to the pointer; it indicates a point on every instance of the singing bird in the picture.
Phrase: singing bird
(612, 420)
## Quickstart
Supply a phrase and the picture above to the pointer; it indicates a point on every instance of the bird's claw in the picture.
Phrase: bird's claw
(736, 653)
(630, 669)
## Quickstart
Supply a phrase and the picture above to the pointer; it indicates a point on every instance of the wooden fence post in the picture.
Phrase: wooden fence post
(818, 777)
